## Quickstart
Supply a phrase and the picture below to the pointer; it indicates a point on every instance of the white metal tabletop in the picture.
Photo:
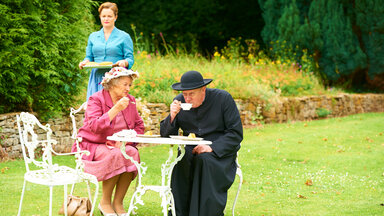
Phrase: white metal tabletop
(159, 140)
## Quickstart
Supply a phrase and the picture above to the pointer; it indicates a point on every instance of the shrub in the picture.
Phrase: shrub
(41, 45)
(322, 112)
(294, 88)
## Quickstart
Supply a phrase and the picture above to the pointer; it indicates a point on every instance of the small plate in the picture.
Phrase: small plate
(148, 136)
(187, 138)
(124, 136)
(126, 133)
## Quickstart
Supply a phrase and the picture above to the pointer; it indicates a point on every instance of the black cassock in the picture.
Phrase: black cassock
(200, 182)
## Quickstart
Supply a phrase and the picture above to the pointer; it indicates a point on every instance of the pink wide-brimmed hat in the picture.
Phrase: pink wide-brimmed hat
(118, 72)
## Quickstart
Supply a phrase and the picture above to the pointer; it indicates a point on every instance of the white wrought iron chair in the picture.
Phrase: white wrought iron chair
(240, 174)
(42, 170)
(78, 140)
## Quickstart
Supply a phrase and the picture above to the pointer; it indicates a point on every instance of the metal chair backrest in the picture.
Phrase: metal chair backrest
(32, 144)
(78, 140)
(72, 114)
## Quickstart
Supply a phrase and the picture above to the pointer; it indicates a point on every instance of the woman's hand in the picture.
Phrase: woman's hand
(119, 106)
(122, 63)
(175, 109)
(122, 103)
(118, 144)
(83, 63)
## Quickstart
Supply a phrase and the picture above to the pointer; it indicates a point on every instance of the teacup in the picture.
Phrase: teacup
(186, 106)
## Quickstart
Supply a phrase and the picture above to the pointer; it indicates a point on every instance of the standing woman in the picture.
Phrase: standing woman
(108, 44)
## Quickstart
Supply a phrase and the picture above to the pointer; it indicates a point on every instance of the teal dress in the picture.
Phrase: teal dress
(119, 46)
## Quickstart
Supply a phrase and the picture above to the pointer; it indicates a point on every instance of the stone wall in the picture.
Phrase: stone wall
(9, 139)
(251, 112)
(306, 108)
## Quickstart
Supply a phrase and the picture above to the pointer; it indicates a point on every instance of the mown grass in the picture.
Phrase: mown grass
(323, 167)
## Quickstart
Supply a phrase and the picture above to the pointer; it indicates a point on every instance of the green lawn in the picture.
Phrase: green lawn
(324, 167)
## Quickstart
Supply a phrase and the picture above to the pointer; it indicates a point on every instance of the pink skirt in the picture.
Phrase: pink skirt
(109, 162)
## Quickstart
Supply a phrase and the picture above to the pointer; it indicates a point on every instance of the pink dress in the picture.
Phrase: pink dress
(104, 161)
(108, 161)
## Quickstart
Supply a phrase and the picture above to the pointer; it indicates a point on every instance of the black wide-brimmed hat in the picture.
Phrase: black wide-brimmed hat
(191, 80)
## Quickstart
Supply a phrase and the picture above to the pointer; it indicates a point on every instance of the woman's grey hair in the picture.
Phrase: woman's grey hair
(113, 82)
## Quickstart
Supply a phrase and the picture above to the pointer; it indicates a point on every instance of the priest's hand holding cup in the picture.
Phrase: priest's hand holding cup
(174, 109)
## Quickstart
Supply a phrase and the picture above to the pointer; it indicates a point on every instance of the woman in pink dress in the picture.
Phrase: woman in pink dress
(109, 111)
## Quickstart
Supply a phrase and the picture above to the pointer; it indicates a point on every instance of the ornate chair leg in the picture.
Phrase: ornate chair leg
(96, 183)
(89, 192)
(65, 200)
(72, 189)
(132, 204)
(172, 203)
(164, 203)
(50, 200)
(238, 190)
(21, 199)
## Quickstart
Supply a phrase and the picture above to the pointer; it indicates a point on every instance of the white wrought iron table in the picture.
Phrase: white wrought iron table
(164, 189)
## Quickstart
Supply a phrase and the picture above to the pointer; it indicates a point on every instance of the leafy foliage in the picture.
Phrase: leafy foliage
(341, 54)
(183, 23)
(322, 112)
(344, 37)
(369, 17)
(41, 43)
(256, 77)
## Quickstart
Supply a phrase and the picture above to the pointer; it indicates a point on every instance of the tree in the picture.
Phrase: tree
(344, 36)
(41, 43)
(370, 31)
(272, 11)
(209, 22)
(342, 56)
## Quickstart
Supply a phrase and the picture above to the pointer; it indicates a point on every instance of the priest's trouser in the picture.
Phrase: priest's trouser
(200, 183)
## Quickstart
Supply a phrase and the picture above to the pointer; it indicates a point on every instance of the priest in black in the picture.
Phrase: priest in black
(200, 181)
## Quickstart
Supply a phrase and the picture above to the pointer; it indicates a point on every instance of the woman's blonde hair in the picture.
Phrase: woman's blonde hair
(109, 5)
